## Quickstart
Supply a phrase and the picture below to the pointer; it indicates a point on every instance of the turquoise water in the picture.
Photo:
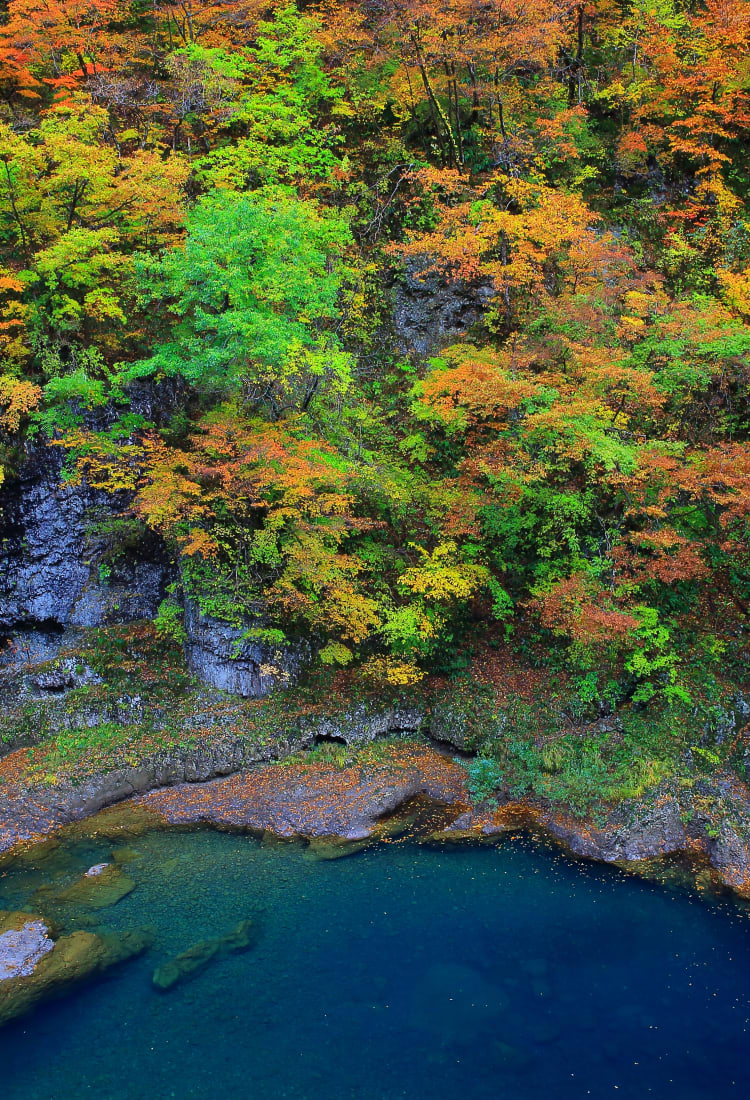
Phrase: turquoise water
(495, 972)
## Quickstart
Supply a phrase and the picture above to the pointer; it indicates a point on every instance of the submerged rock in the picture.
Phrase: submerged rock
(455, 1003)
(335, 847)
(36, 967)
(201, 954)
(124, 855)
(99, 888)
(512, 1059)
(37, 853)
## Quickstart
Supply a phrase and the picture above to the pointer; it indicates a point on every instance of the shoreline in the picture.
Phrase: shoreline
(345, 803)
(118, 717)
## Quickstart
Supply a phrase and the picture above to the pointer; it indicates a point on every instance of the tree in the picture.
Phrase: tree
(255, 296)
(65, 38)
(72, 213)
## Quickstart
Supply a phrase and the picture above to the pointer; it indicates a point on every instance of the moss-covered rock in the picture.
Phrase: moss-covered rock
(101, 887)
(201, 954)
(334, 847)
(49, 968)
(466, 719)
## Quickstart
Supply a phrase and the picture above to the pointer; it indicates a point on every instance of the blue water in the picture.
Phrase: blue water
(495, 972)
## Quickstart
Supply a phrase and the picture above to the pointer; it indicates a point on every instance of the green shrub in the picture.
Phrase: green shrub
(169, 622)
(484, 778)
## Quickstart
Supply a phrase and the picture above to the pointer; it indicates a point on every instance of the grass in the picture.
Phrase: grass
(341, 756)
(601, 764)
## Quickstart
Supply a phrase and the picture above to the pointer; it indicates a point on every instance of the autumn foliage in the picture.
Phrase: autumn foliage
(216, 201)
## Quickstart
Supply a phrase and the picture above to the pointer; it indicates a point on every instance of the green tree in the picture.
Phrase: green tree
(255, 297)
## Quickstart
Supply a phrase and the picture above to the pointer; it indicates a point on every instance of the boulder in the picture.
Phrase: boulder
(455, 1004)
(34, 967)
(23, 942)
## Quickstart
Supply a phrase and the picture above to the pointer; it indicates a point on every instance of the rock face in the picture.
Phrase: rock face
(50, 553)
(430, 311)
(53, 537)
(220, 655)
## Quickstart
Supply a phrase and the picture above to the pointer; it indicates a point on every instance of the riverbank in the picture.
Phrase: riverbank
(122, 720)
(349, 799)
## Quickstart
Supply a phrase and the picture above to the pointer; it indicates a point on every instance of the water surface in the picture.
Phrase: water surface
(403, 971)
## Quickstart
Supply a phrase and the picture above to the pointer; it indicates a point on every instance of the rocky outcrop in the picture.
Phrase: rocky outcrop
(65, 693)
(49, 968)
(644, 832)
(360, 724)
(57, 569)
(708, 816)
(709, 821)
(349, 804)
(228, 658)
(29, 813)
(431, 311)
(48, 681)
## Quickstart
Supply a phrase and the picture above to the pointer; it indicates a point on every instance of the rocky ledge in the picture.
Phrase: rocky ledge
(710, 826)
(30, 811)
(319, 800)
(233, 783)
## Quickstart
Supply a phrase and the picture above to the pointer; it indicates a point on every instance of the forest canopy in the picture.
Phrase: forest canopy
(222, 199)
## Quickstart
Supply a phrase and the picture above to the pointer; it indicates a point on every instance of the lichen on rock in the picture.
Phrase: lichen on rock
(24, 941)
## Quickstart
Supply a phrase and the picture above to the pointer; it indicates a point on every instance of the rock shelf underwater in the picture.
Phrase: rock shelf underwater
(408, 969)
